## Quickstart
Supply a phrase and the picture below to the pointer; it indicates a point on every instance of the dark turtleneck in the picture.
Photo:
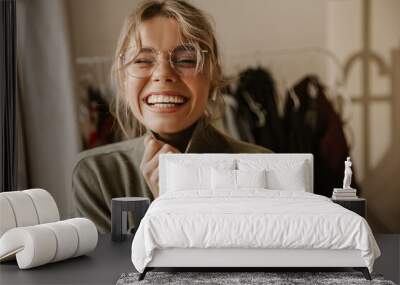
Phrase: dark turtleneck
(178, 140)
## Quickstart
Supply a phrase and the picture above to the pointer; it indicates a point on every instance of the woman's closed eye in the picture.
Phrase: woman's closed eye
(186, 62)
(144, 61)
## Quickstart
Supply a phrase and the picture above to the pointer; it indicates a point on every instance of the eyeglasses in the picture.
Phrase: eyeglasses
(186, 60)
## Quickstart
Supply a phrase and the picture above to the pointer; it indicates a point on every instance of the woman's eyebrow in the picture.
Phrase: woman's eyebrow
(150, 49)
(146, 49)
(184, 47)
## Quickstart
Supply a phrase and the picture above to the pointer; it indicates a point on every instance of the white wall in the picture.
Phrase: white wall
(379, 177)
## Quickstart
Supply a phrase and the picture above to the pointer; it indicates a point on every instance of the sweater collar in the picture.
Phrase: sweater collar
(206, 139)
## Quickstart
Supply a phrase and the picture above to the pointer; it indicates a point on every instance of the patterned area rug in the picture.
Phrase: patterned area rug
(230, 278)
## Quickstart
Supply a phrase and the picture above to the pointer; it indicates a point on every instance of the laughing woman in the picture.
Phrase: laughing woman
(168, 75)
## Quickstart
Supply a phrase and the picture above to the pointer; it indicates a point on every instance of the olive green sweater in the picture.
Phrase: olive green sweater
(105, 172)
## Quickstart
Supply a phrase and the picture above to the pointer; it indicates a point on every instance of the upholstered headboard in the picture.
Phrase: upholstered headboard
(282, 163)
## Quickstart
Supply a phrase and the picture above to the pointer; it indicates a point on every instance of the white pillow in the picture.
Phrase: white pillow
(182, 178)
(192, 175)
(223, 179)
(289, 179)
(251, 178)
(236, 179)
(281, 175)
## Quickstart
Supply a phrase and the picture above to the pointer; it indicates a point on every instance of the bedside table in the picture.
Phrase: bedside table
(357, 205)
(119, 216)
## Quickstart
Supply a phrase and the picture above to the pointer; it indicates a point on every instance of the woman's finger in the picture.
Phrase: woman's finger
(154, 177)
(150, 162)
(148, 166)
(150, 150)
(167, 148)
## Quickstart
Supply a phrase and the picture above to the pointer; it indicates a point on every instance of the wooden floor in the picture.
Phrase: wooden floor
(389, 262)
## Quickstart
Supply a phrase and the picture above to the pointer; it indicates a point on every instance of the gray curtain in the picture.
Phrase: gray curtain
(48, 128)
(8, 177)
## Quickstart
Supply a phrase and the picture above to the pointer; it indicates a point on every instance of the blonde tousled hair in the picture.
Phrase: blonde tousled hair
(195, 28)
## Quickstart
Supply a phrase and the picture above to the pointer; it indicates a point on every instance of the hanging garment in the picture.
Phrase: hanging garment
(102, 118)
(255, 94)
(313, 126)
(229, 116)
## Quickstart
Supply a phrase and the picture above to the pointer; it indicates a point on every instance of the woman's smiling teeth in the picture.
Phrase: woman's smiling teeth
(164, 101)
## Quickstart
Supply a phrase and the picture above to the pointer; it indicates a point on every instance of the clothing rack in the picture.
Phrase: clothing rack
(267, 58)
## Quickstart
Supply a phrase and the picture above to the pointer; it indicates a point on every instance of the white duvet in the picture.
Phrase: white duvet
(252, 218)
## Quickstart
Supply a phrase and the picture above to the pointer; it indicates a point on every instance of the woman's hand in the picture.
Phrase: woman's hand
(149, 164)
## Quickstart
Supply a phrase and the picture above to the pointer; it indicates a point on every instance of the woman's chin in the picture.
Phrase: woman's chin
(168, 127)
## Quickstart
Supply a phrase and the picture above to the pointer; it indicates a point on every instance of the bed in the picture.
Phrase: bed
(247, 211)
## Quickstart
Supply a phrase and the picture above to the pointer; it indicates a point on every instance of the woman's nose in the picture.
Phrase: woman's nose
(164, 71)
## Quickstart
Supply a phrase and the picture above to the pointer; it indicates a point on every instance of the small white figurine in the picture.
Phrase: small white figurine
(347, 174)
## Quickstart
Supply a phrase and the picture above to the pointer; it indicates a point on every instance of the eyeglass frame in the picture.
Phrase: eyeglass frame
(157, 53)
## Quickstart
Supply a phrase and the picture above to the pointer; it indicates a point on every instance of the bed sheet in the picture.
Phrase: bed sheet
(251, 218)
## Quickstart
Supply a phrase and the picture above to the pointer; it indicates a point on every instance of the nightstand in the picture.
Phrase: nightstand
(119, 219)
(357, 205)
